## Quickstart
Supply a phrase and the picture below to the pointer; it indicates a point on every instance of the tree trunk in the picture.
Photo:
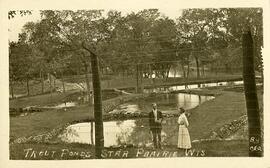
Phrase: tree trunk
(197, 67)
(216, 70)
(184, 71)
(50, 79)
(54, 84)
(42, 81)
(188, 70)
(12, 89)
(167, 74)
(91, 132)
(63, 83)
(99, 137)
(254, 125)
(123, 75)
(141, 78)
(27, 84)
(137, 78)
(203, 72)
(175, 71)
(87, 84)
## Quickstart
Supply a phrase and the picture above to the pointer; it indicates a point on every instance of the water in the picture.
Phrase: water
(117, 133)
(167, 103)
(66, 104)
(192, 86)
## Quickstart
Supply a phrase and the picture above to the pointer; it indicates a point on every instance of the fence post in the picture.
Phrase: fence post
(254, 126)
(99, 137)
(137, 78)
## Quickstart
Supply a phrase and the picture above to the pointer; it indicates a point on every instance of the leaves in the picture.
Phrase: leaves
(63, 38)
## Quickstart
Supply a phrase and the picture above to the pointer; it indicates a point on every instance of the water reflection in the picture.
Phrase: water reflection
(189, 101)
(118, 133)
(127, 109)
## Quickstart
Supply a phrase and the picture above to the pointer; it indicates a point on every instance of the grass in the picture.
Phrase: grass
(217, 112)
(40, 100)
(42, 122)
(74, 151)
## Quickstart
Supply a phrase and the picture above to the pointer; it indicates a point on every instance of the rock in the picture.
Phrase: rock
(148, 144)
(195, 141)
(214, 135)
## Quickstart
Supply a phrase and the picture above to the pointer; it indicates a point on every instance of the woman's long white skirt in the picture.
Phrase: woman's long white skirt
(183, 138)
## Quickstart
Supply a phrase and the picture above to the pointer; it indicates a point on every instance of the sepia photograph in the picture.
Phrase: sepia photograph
(133, 83)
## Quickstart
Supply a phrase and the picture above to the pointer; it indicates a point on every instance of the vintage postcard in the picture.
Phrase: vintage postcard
(159, 83)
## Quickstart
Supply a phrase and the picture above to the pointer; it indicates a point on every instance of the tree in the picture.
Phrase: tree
(234, 22)
(12, 13)
(195, 26)
(21, 62)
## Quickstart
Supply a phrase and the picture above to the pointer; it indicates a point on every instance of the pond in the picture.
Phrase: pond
(136, 132)
(119, 133)
(167, 103)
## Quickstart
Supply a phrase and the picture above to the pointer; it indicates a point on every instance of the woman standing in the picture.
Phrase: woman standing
(183, 134)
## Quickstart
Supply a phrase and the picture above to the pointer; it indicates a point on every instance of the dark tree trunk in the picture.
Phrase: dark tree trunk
(197, 67)
(254, 125)
(42, 81)
(184, 71)
(63, 83)
(175, 71)
(188, 70)
(137, 78)
(141, 78)
(203, 71)
(91, 132)
(167, 73)
(99, 137)
(54, 84)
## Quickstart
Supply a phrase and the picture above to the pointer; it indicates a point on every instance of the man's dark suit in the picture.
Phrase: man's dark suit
(155, 128)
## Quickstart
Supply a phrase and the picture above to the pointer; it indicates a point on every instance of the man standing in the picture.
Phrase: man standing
(155, 120)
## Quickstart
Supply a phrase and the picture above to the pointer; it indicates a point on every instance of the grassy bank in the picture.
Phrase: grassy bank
(40, 100)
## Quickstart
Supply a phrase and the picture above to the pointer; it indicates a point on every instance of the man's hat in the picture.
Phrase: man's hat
(182, 109)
